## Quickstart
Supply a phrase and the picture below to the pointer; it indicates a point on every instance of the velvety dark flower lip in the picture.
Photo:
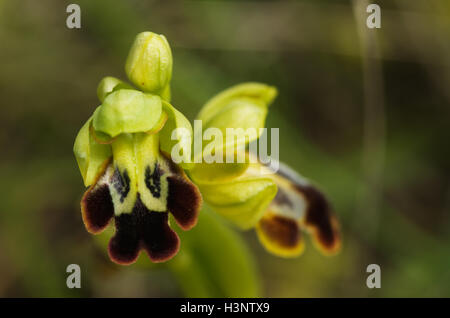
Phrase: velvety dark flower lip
(298, 205)
(184, 203)
(142, 228)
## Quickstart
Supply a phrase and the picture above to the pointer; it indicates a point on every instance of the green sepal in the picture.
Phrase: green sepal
(182, 137)
(241, 114)
(89, 154)
(218, 172)
(263, 93)
(243, 201)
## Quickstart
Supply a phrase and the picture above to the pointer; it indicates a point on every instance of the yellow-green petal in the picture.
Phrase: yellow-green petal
(127, 111)
(109, 84)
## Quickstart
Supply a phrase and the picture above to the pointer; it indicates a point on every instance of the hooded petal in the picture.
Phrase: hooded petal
(127, 111)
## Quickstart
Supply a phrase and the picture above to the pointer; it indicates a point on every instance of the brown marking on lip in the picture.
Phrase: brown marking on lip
(142, 229)
(153, 180)
(121, 182)
(184, 201)
(320, 219)
(282, 231)
(97, 207)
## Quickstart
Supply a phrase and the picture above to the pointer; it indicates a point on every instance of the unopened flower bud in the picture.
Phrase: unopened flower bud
(149, 63)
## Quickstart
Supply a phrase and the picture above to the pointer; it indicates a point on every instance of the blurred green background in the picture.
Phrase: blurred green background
(364, 113)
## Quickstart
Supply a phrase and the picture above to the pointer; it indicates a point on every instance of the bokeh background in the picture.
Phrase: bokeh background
(364, 113)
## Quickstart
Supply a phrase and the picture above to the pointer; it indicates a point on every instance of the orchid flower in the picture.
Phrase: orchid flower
(122, 152)
(278, 204)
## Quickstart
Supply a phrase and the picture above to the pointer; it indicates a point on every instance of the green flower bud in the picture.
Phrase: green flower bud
(149, 63)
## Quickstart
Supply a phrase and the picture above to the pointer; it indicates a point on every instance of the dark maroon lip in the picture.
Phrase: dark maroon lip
(141, 228)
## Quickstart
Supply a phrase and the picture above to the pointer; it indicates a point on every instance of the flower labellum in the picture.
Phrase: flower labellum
(298, 205)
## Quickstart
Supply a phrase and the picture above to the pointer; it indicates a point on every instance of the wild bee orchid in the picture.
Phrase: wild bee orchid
(278, 203)
(122, 152)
